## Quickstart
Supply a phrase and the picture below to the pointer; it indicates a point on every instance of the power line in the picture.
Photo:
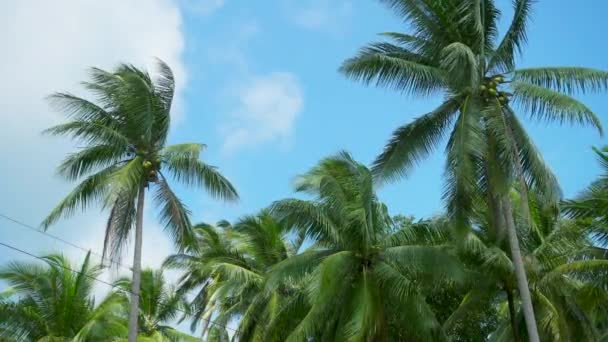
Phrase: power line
(62, 266)
(55, 237)
(98, 280)
(71, 244)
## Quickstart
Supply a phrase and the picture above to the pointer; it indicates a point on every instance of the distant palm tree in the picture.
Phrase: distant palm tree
(54, 302)
(230, 268)
(365, 274)
(454, 49)
(566, 277)
(591, 205)
(160, 305)
(124, 132)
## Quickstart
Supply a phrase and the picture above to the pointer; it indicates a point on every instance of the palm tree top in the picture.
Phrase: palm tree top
(123, 130)
(443, 53)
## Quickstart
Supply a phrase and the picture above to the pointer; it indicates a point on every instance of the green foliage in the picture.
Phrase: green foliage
(160, 305)
(54, 301)
(356, 268)
(123, 131)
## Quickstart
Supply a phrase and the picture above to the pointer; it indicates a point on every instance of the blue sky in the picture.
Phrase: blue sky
(258, 83)
(339, 114)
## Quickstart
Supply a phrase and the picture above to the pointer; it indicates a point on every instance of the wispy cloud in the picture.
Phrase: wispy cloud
(268, 108)
(331, 16)
(262, 107)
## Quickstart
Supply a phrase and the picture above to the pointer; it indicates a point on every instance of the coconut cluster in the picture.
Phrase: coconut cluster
(152, 167)
(489, 89)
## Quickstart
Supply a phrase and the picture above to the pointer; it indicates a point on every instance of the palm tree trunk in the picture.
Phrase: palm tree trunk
(205, 327)
(520, 273)
(135, 286)
(512, 314)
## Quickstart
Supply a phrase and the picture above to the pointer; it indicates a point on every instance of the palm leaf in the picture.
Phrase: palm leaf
(412, 142)
(515, 38)
(92, 189)
(173, 214)
(192, 171)
(546, 104)
(393, 71)
(569, 80)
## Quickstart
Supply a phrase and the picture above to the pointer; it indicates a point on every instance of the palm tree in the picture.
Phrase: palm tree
(565, 276)
(229, 269)
(160, 305)
(54, 302)
(364, 274)
(591, 205)
(210, 244)
(454, 49)
(124, 132)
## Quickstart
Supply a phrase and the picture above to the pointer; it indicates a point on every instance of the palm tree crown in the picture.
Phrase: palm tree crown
(365, 273)
(55, 303)
(125, 134)
(160, 305)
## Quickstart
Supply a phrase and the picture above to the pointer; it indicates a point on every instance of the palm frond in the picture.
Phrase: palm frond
(461, 63)
(91, 132)
(463, 151)
(538, 174)
(192, 171)
(569, 80)
(307, 216)
(173, 214)
(515, 38)
(119, 224)
(429, 19)
(164, 86)
(394, 71)
(92, 189)
(89, 159)
(549, 105)
(414, 141)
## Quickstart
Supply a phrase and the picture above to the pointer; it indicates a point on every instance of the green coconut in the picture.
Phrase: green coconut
(492, 91)
(147, 164)
(483, 87)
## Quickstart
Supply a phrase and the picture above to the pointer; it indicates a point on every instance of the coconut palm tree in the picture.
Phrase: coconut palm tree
(566, 277)
(54, 302)
(210, 244)
(591, 205)
(364, 274)
(160, 305)
(453, 49)
(124, 132)
(229, 269)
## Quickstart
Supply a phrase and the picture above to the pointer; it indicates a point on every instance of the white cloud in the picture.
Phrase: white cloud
(47, 46)
(330, 16)
(204, 7)
(268, 109)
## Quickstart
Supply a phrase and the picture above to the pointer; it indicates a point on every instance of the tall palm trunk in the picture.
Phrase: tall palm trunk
(206, 317)
(520, 272)
(135, 286)
(512, 314)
